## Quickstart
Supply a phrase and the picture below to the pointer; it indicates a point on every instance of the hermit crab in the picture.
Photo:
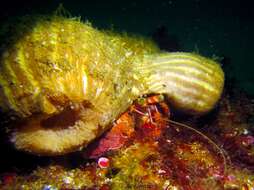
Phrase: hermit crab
(66, 82)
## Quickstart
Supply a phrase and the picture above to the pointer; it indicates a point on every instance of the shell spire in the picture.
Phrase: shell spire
(191, 83)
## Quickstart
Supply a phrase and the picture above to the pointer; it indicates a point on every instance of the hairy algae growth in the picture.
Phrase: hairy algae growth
(68, 82)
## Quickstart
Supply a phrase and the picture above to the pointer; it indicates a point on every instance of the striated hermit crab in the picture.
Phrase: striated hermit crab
(66, 82)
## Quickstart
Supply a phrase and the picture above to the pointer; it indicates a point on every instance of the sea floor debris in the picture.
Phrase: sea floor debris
(146, 150)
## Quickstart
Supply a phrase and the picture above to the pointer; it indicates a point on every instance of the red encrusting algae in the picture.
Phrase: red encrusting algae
(145, 149)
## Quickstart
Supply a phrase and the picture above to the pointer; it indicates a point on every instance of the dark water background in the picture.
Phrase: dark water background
(218, 28)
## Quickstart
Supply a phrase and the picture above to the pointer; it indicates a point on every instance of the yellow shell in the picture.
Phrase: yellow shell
(69, 81)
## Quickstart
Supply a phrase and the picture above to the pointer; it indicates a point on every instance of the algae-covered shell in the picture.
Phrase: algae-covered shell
(68, 81)
(60, 60)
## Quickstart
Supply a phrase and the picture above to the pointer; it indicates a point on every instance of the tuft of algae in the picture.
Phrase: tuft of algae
(60, 60)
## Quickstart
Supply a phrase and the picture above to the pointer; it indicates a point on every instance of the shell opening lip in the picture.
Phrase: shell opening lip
(43, 134)
(61, 120)
(64, 119)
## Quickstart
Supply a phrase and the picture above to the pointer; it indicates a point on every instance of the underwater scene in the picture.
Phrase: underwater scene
(127, 95)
